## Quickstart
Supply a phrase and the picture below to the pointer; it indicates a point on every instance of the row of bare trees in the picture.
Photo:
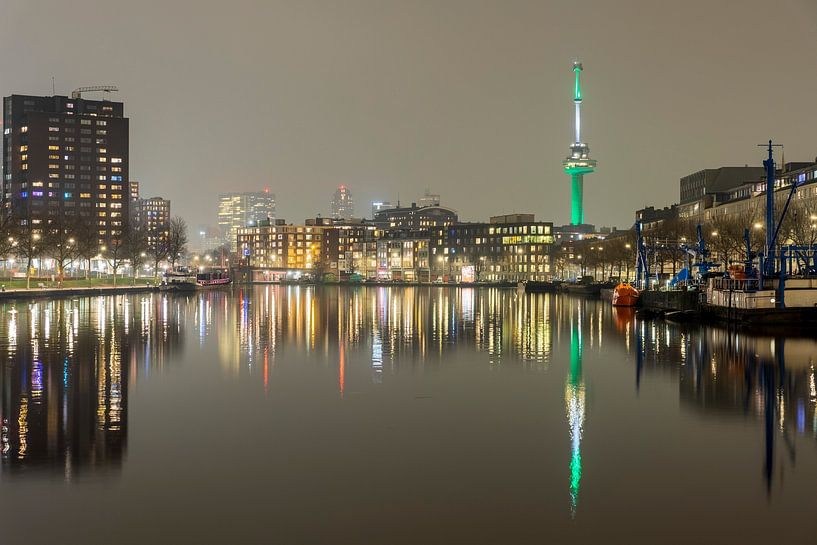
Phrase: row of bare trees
(724, 235)
(67, 240)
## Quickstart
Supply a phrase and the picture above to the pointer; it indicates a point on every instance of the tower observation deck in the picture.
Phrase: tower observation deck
(578, 163)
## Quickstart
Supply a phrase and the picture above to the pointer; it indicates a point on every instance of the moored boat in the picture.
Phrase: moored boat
(213, 279)
(179, 279)
(625, 295)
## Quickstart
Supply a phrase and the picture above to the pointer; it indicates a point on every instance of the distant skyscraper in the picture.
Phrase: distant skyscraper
(429, 199)
(237, 210)
(379, 206)
(342, 204)
(66, 159)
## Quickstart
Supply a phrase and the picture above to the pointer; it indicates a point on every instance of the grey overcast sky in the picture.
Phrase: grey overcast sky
(469, 98)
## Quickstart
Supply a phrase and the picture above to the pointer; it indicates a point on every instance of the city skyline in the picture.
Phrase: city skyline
(482, 108)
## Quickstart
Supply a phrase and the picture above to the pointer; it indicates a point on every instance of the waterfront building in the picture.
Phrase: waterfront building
(711, 181)
(342, 205)
(416, 217)
(349, 247)
(153, 216)
(403, 254)
(66, 159)
(272, 250)
(508, 248)
(236, 210)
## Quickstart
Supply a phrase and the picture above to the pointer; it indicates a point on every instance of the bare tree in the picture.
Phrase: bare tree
(135, 248)
(799, 226)
(725, 237)
(115, 253)
(86, 242)
(29, 247)
(59, 243)
(176, 240)
(9, 235)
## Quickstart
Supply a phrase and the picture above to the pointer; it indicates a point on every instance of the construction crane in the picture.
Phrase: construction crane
(77, 93)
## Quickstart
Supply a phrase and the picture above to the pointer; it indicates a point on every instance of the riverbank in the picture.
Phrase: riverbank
(386, 284)
(73, 291)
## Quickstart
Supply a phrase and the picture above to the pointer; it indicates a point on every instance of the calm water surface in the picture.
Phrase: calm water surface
(397, 415)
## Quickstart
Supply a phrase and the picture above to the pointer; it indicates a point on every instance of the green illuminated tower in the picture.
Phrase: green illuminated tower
(579, 162)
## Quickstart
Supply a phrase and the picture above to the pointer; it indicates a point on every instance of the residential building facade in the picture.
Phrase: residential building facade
(66, 160)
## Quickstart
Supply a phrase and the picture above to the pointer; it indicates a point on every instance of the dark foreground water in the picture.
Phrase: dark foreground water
(397, 415)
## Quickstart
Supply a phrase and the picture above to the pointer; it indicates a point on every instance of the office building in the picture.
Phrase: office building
(236, 210)
(430, 199)
(342, 205)
(380, 206)
(66, 160)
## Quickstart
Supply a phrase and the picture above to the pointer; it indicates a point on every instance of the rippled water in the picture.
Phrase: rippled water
(397, 415)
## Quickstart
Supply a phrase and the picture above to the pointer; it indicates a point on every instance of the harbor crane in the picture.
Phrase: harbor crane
(77, 93)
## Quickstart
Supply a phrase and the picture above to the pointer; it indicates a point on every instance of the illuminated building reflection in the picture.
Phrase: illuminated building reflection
(65, 372)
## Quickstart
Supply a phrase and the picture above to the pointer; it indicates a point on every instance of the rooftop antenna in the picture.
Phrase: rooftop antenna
(53, 87)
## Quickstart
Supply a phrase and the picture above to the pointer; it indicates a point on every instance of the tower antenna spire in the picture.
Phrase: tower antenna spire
(578, 163)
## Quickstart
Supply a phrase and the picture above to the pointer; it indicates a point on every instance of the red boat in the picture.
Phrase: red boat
(625, 295)
(212, 279)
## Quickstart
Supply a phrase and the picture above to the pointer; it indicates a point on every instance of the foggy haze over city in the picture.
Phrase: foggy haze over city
(470, 99)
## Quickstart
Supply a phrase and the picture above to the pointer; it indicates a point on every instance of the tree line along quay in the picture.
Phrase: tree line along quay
(68, 251)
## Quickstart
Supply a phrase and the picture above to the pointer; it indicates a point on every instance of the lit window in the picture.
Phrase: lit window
(116, 159)
(23, 129)
(25, 148)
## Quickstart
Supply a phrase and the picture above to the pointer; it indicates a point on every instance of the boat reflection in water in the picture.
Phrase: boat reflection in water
(69, 367)
(66, 369)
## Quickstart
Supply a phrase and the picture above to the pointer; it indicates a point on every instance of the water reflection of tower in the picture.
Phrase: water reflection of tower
(575, 405)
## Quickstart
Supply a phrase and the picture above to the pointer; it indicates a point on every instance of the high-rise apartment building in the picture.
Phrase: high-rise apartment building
(153, 216)
(237, 210)
(66, 160)
(342, 206)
